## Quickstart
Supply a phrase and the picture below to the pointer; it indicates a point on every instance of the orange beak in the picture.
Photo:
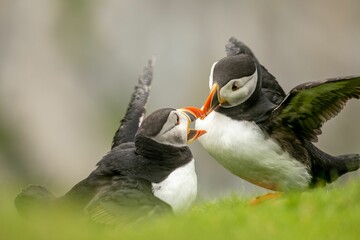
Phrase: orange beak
(194, 134)
(192, 113)
(212, 102)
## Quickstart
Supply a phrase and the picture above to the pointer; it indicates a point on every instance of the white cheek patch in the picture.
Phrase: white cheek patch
(171, 134)
(173, 137)
(211, 80)
(247, 88)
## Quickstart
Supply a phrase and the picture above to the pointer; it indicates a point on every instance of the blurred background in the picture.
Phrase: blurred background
(68, 68)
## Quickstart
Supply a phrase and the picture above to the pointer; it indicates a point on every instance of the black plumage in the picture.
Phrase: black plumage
(126, 199)
(303, 112)
(309, 105)
(270, 87)
(122, 146)
(120, 188)
(136, 109)
(294, 120)
(256, 108)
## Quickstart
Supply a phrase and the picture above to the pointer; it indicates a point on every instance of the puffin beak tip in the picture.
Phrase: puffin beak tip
(194, 134)
(212, 102)
(193, 113)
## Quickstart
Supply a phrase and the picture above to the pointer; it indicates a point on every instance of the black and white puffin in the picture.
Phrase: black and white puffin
(265, 137)
(155, 173)
(149, 169)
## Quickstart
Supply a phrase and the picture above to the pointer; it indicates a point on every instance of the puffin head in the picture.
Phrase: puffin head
(170, 126)
(233, 80)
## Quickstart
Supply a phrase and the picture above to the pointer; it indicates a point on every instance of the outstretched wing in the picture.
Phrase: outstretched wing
(126, 201)
(308, 106)
(136, 109)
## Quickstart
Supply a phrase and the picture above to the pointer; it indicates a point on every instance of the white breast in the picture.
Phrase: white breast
(241, 147)
(179, 189)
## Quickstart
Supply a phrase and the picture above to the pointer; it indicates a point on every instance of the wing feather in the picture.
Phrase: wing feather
(136, 109)
(126, 201)
(308, 106)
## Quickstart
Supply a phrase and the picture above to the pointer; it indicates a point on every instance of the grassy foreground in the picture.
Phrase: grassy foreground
(330, 213)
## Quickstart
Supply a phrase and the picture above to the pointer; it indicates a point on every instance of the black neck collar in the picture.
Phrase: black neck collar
(150, 148)
(161, 158)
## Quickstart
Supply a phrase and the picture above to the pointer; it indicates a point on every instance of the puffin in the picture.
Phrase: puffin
(266, 137)
(154, 174)
(149, 169)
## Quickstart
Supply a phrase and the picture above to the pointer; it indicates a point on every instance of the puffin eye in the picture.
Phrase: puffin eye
(177, 120)
(234, 86)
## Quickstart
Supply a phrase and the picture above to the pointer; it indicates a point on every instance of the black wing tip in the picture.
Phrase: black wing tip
(136, 108)
(236, 47)
(234, 41)
(145, 78)
(233, 48)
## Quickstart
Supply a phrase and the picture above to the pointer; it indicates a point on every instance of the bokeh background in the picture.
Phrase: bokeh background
(68, 67)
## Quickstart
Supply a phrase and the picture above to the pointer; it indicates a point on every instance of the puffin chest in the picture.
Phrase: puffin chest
(242, 148)
(179, 189)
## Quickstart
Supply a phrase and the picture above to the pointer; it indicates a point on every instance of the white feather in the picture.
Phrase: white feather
(242, 148)
(211, 79)
(179, 189)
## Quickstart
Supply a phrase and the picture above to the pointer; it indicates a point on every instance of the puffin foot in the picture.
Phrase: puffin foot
(266, 197)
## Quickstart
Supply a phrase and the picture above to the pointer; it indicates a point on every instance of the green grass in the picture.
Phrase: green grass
(329, 213)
